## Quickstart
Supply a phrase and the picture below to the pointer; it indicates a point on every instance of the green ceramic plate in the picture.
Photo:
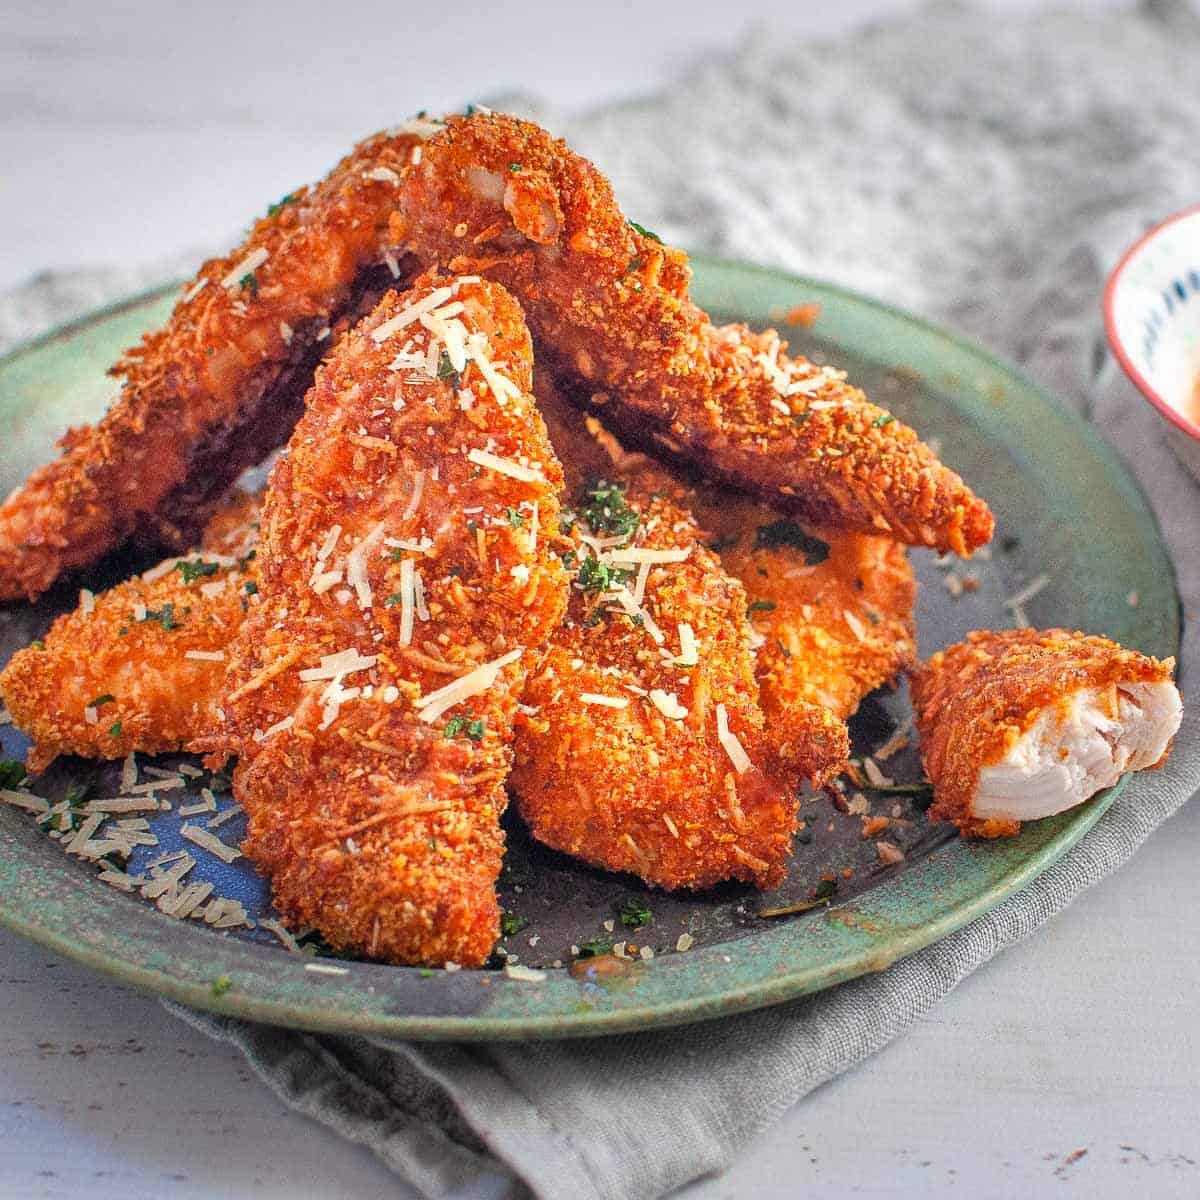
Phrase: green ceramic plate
(1064, 504)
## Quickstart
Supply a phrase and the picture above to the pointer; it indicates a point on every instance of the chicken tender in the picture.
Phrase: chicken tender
(1024, 724)
(608, 305)
(642, 747)
(142, 665)
(220, 385)
(374, 682)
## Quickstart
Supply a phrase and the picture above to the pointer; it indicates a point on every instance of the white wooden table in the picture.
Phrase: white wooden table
(132, 132)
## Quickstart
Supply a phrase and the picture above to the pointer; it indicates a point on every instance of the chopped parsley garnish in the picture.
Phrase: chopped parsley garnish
(760, 606)
(515, 519)
(514, 167)
(123, 631)
(596, 576)
(195, 570)
(787, 533)
(446, 369)
(114, 730)
(38, 645)
(634, 913)
(569, 558)
(12, 773)
(249, 282)
(221, 985)
(251, 587)
(100, 701)
(394, 598)
(882, 420)
(510, 923)
(645, 232)
(165, 616)
(802, 416)
(473, 730)
(426, 972)
(283, 202)
(602, 505)
(596, 947)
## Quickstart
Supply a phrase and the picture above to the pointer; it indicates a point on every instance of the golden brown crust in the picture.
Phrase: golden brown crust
(216, 388)
(976, 698)
(132, 648)
(608, 305)
(375, 824)
(633, 788)
(833, 610)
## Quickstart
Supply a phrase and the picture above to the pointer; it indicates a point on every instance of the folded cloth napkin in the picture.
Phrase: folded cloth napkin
(979, 169)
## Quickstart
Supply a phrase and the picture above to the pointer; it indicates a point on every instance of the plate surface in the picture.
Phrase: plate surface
(1064, 505)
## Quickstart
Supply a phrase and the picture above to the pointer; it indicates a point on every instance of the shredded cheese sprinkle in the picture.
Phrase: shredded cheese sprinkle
(251, 262)
(473, 683)
(730, 744)
(505, 466)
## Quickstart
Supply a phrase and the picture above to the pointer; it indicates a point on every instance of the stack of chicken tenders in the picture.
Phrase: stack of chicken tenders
(540, 529)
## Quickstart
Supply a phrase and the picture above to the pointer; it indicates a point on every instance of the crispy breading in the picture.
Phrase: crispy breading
(391, 568)
(974, 700)
(219, 386)
(119, 673)
(608, 305)
(833, 610)
(618, 757)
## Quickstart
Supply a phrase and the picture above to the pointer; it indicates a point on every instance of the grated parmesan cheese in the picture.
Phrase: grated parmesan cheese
(207, 841)
(471, 684)
(206, 655)
(730, 744)
(668, 704)
(250, 263)
(505, 466)
(604, 701)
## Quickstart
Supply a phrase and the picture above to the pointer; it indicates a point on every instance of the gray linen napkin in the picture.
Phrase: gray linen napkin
(980, 170)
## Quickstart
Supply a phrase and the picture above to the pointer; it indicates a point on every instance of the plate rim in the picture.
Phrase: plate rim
(272, 1005)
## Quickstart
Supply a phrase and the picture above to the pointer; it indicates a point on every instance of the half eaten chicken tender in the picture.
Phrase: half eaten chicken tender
(1020, 725)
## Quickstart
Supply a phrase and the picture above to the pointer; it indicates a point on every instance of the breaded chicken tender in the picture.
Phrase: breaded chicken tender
(220, 385)
(643, 748)
(806, 727)
(401, 604)
(608, 305)
(1024, 724)
(142, 665)
(832, 611)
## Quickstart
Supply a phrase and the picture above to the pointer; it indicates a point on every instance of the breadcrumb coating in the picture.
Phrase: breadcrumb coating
(219, 386)
(832, 611)
(609, 308)
(974, 700)
(618, 757)
(390, 569)
(142, 665)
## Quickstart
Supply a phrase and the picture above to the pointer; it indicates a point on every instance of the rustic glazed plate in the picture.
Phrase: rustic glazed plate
(1064, 505)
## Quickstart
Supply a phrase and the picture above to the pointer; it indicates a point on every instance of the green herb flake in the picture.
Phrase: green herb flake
(596, 576)
(221, 985)
(394, 598)
(446, 370)
(12, 773)
(882, 420)
(760, 606)
(114, 730)
(165, 616)
(645, 232)
(596, 947)
(250, 587)
(193, 570)
(634, 913)
(100, 701)
(249, 283)
(515, 518)
(511, 923)
(514, 167)
(603, 506)
(787, 533)
(283, 202)
(461, 726)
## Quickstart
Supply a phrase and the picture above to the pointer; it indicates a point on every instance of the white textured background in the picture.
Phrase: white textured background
(133, 132)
